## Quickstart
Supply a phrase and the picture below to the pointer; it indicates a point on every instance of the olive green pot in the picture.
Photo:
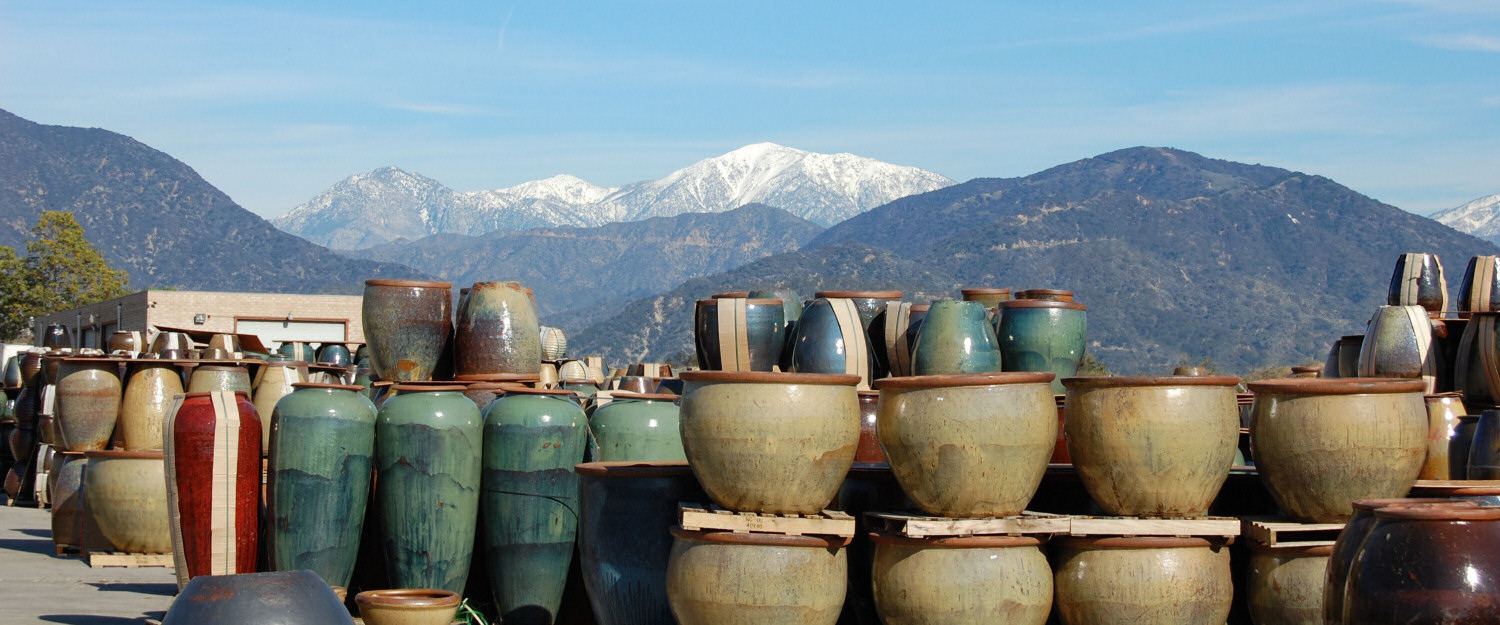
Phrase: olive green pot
(637, 427)
(1152, 446)
(1162, 581)
(126, 491)
(209, 378)
(149, 391)
(976, 580)
(751, 579)
(88, 403)
(1284, 585)
(956, 337)
(972, 445)
(776, 443)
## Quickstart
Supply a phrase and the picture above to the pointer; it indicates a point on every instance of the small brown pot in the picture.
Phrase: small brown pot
(408, 606)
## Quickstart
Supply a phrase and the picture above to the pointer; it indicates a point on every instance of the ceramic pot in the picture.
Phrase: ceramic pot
(129, 341)
(1152, 446)
(407, 325)
(868, 302)
(497, 331)
(554, 343)
(31, 364)
(990, 298)
(274, 381)
(1331, 362)
(967, 446)
(1420, 564)
(637, 427)
(1320, 444)
(1341, 556)
(1476, 368)
(298, 351)
(723, 578)
(1284, 585)
(532, 439)
(88, 402)
(1349, 347)
(774, 443)
(210, 378)
(1164, 581)
(739, 334)
(1459, 445)
(956, 337)
(13, 371)
(149, 391)
(165, 341)
(1484, 450)
(213, 464)
(67, 501)
(287, 598)
(57, 336)
(335, 354)
(408, 606)
(126, 493)
(318, 479)
(971, 580)
(830, 339)
(428, 509)
(867, 488)
(891, 338)
(791, 306)
(869, 438)
(1443, 411)
(1042, 335)
(1418, 281)
(1480, 289)
(1051, 295)
(1398, 344)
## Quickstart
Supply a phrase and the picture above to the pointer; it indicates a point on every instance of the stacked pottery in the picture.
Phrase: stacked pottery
(867, 302)
(1424, 564)
(57, 336)
(554, 343)
(739, 334)
(408, 326)
(1476, 369)
(297, 350)
(126, 493)
(213, 477)
(497, 331)
(791, 308)
(1349, 347)
(289, 598)
(1341, 557)
(88, 402)
(1443, 413)
(1459, 447)
(335, 354)
(892, 335)
(1480, 290)
(274, 381)
(212, 378)
(70, 525)
(832, 340)
(639, 427)
(1418, 281)
(171, 341)
(1158, 580)
(1399, 344)
(150, 388)
(972, 579)
(991, 298)
(869, 451)
(955, 338)
(724, 578)
(1051, 295)
(1484, 450)
(1042, 335)
(128, 341)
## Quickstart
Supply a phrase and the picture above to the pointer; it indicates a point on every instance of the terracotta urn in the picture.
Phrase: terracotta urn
(955, 338)
(974, 580)
(285, 598)
(1320, 444)
(723, 578)
(1341, 556)
(213, 477)
(966, 446)
(88, 402)
(408, 326)
(497, 331)
(1418, 281)
(1158, 580)
(126, 493)
(1426, 564)
(739, 334)
(408, 606)
(775, 443)
(150, 388)
(1284, 585)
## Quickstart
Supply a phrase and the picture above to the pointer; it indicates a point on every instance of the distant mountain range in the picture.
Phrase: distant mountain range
(1480, 218)
(390, 204)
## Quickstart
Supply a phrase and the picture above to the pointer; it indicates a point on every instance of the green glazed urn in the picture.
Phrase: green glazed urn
(1042, 335)
(955, 337)
(637, 427)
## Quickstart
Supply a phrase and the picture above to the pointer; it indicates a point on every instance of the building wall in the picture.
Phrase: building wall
(179, 309)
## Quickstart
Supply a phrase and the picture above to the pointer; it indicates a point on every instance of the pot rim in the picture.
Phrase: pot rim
(419, 284)
(94, 359)
(207, 393)
(957, 542)
(921, 307)
(984, 290)
(1438, 512)
(220, 368)
(1457, 488)
(730, 295)
(1132, 542)
(964, 379)
(323, 385)
(426, 386)
(409, 598)
(1311, 551)
(856, 294)
(1376, 504)
(1046, 291)
(765, 540)
(1337, 386)
(121, 454)
(645, 396)
(1041, 303)
(633, 468)
(497, 284)
(768, 377)
(760, 301)
(497, 377)
(867, 393)
(527, 390)
(1091, 382)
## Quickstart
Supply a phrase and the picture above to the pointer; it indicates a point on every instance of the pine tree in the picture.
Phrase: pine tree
(61, 270)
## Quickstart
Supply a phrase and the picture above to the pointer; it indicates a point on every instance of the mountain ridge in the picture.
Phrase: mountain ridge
(1479, 217)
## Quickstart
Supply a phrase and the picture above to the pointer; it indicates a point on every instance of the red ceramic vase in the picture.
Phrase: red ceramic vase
(213, 483)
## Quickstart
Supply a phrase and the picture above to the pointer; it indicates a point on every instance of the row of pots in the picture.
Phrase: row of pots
(415, 334)
(1418, 281)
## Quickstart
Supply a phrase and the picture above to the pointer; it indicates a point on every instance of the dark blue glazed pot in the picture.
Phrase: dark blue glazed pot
(955, 337)
(762, 328)
(285, 598)
(868, 302)
(1418, 281)
(822, 345)
(1042, 335)
(335, 354)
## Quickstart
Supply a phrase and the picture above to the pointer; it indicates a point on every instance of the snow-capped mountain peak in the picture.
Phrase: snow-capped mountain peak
(1480, 217)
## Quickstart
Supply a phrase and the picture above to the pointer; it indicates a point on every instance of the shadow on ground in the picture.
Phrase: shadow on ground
(30, 545)
(163, 589)
(88, 619)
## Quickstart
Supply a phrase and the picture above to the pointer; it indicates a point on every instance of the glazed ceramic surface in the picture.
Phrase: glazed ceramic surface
(1399, 344)
(1341, 556)
(273, 382)
(408, 326)
(1484, 450)
(1418, 281)
(149, 391)
(1165, 581)
(739, 334)
(497, 331)
(1477, 361)
(1042, 335)
(408, 606)
(288, 598)
(638, 427)
(209, 378)
(1423, 564)
(869, 437)
(989, 297)
(1443, 412)
(1349, 347)
(1285, 585)
(868, 302)
(1480, 289)
(956, 337)
(961, 581)
(334, 354)
(88, 402)
(830, 339)
(743, 579)
(213, 464)
(127, 495)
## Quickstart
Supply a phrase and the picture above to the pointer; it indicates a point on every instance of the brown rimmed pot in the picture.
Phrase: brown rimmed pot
(1284, 585)
(1158, 580)
(1348, 543)
(126, 491)
(1426, 564)
(408, 327)
(990, 297)
(974, 579)
(723, 578)
(408, 606)
(1056, 295)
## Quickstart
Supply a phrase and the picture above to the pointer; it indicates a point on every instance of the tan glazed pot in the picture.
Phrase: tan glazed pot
(1285, 584)
(149, 390)
(1152, 446)
(775, 443)
(127, 493)
(968, 445)
(1320, 444)
(723, 578)
(88, 403)
(408, 606)
(975, 580)
(1157, 580)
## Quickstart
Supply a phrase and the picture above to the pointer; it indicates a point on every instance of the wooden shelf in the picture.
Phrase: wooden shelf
(1279, 532)
(1205, 527)
(913, 526)
(825, 523)
(99, 559)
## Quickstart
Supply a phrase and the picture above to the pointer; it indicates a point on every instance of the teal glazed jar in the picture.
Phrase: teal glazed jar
(428, 445)
(318, 479)
(739, 334)
(830, 339)
(639, 427)
(1042, 335)
(532, 439)
(408, 325)
(497, 331)
(956, 337)
(297, 351)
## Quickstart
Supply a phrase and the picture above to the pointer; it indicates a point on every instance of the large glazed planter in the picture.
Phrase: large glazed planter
(830, 339)
(408, 325)
(627, 511)
(868, 302)
(1399, 344)
(274, 381)
(1347, 546)
(971, 445)
(1480, 289)
(1320, 444)
(336, 354)
(532, 439)
(1042, 335)
(297, 351)
(1418, 281)
(638, 427)
(1164, 581)
(210, 378)
(128, 341)
(213, 484)
(408, 606)
(1426, 564)
(955, 338)
(722, 578)
(127, 495)
(69, 525)
(1152, 446)
(322, 448)
(1484, 450)
(286, 598)
(497, 331)
(1284, 585)
(974, 580)
(1443, 413)
(428, 446)
(739, 334)
(150, 388)
(88, 402)
(773, 443)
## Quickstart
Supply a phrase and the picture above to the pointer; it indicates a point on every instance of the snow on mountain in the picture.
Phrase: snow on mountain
(1480, 218)
(368, 209)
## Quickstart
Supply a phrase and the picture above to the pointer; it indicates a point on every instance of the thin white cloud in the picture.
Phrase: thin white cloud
(445, 108)
(1463, 42)
(1454, 6)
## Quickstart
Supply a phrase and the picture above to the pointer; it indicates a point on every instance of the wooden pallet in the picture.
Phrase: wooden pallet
(99, 559)
(912, 526)
(1279, 532)
(825, 523)
(1203, 527)
(67, 551)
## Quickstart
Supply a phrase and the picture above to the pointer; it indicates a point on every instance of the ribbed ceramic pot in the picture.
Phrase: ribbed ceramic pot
(88, 402)
(213, 465)
(127, 496)
(554, 343)
(407, 325)
(1443, 412)
(150, 387)
(1158, 580)
(1152, 446)
(723, 578)
(956, 337)
(319, 468)
(1425, 564)
(408, 606)
(274, 381)
(1480, 289)
(637, 427)
(1284, 585)
(739, 334)
(831, 339)
(626, 513)
(335, 354)
(989, 297)
(1418, 281)
(1347, 546)
(1042, 335)
(497, 331)
(1399, 344)
(868, 302)
(869, 438)
(210, 378)
(1320, 444)
(130, 341)
(286, 598)
(774, 443)
(974, 580)
(967, 446)
(1476, 368)
(429, 442)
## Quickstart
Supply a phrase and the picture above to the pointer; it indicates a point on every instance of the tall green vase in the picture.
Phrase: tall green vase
(1042, 335)
(955, 337)
(322, 445)
(428, 444)
(532, 439)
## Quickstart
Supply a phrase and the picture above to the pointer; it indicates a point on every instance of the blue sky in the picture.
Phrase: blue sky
(274, 102)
